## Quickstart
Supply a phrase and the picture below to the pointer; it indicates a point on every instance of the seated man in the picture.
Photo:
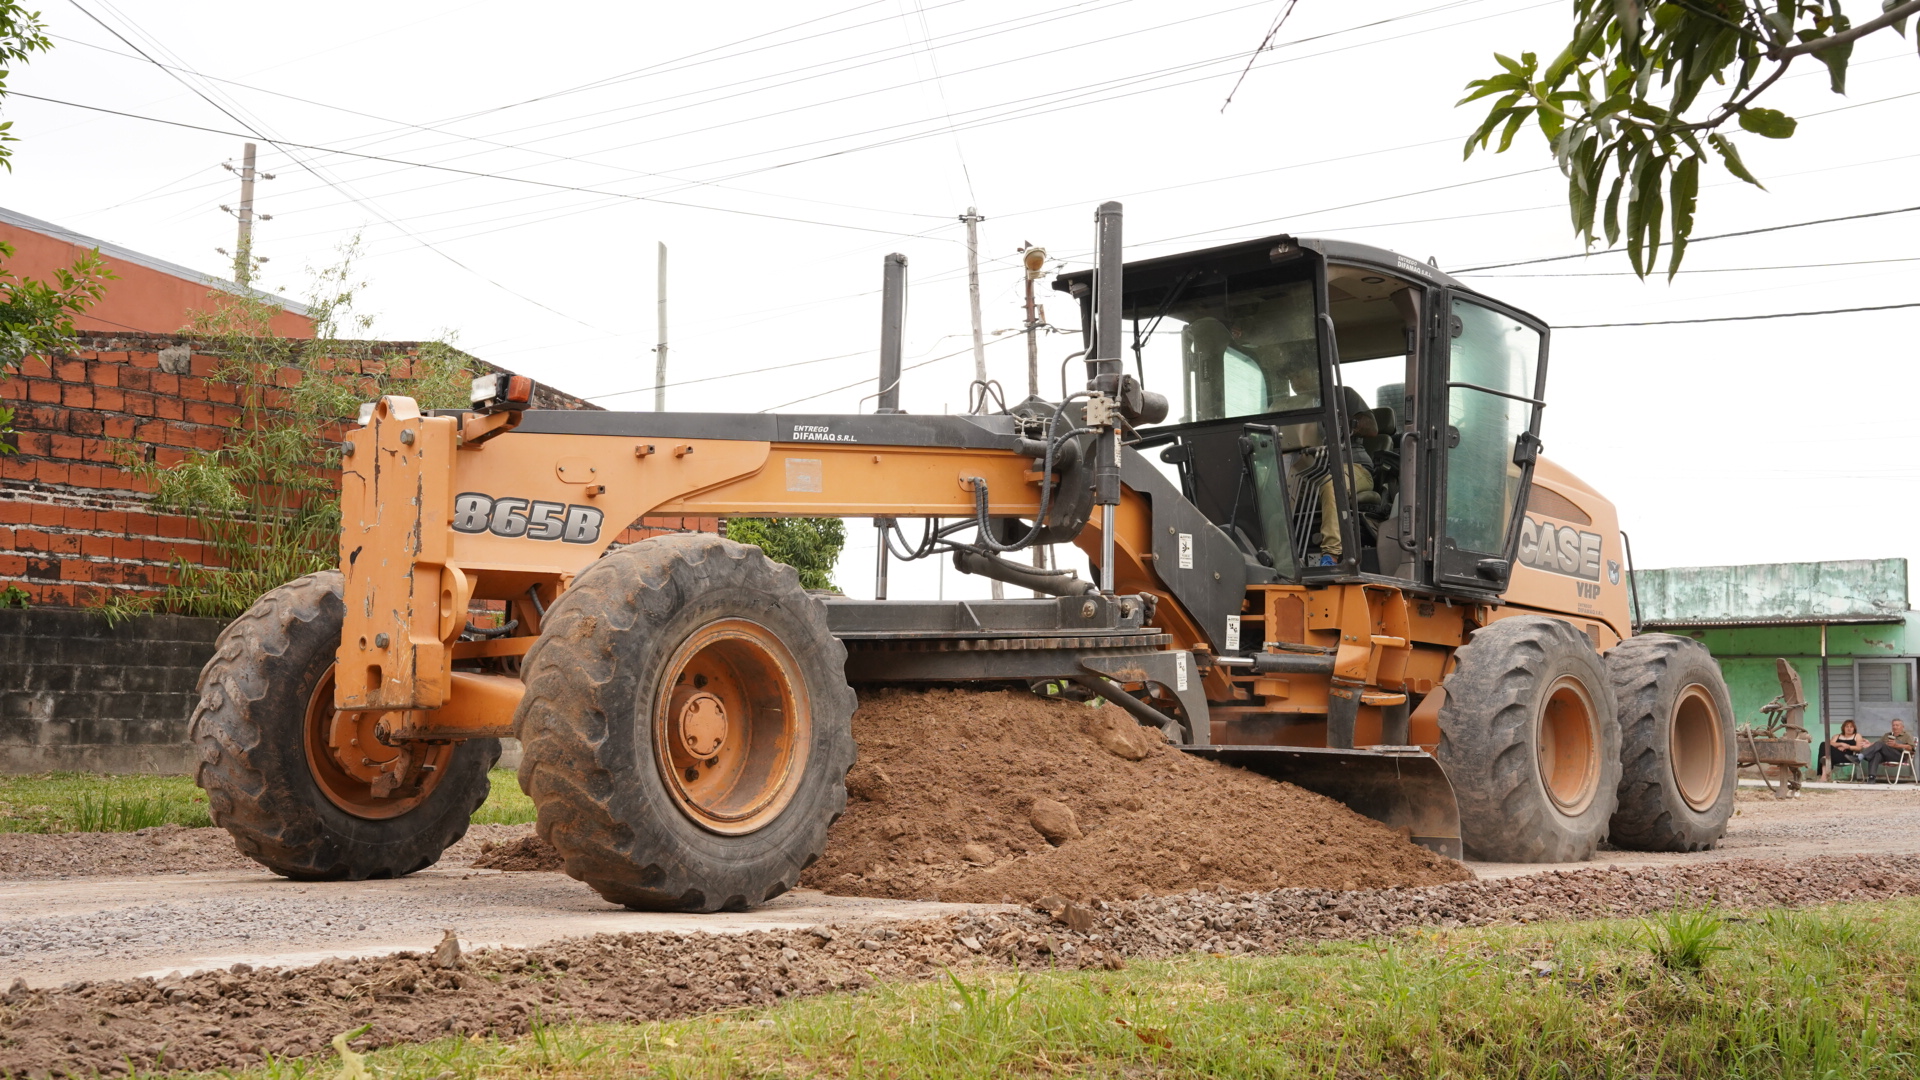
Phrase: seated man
(1362, 427)
(1842, 749)
(1888, 749)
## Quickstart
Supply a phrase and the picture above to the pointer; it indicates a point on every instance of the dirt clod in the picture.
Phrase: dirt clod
(869, 783)
(1054, 821)
(977, 784)
(527, 853)
(1118, 734)
(447, 954)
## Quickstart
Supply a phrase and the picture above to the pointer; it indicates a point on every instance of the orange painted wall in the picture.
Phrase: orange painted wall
(141, 299)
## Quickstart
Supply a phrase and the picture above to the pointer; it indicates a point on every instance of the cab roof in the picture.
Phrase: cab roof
(1247, 255)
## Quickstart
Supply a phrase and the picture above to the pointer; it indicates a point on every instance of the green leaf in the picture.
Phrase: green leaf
(1684, 194)
(1613, 211)
(1899, 24)
(1513, 126)
(1731, 158)
(1499, 84)
(1768, 123)
(1514, 66)
(1836, 56)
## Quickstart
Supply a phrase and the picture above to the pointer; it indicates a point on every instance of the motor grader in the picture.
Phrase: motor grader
(1322, 544)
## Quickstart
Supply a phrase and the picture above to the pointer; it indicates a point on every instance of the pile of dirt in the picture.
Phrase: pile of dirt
(173, 849)
(528, 853)
(1007, 796)
(232, 1018)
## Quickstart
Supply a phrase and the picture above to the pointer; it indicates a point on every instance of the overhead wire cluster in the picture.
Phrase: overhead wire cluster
(376, 152)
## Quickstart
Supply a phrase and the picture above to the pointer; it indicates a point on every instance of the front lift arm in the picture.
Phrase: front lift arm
(431, 523)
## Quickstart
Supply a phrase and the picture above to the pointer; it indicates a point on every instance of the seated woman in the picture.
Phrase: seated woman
(1842, 749)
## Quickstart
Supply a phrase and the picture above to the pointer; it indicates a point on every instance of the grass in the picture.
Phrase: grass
(1831, 992)
(85, 802)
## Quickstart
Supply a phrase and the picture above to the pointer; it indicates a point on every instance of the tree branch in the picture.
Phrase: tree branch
(1911, 7)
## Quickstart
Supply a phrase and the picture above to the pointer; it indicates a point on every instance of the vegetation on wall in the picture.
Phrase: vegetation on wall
(36, 317)
(809, 545)
(266, 501)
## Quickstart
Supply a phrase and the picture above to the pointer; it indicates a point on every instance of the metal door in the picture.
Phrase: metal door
(1484, 421)
(1882, 692)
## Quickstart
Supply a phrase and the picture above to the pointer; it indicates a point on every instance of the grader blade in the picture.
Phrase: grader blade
(1399, 788)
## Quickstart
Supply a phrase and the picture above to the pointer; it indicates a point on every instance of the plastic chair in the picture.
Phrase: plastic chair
(1905, 763)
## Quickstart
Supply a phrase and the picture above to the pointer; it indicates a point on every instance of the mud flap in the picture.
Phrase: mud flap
(1399, 788)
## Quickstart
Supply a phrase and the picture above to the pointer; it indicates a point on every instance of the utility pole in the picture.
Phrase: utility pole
(243, 259)
(1034, 259)
(660, 350)
(973, 219)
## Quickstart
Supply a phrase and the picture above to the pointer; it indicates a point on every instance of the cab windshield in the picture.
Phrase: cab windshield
(1224, 353)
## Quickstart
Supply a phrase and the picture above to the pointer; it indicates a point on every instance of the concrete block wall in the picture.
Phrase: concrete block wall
(79, 696)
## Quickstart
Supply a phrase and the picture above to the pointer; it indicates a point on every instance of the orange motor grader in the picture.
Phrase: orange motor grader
(1323, 546)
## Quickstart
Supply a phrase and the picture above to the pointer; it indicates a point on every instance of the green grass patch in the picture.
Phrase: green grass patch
(506, 804)
(1831, 992)
(85, 802)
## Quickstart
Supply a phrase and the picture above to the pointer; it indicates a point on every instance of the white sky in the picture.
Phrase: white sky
(878, 123)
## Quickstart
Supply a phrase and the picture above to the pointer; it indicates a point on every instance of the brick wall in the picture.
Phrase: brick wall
(74, 526)
(79, 696)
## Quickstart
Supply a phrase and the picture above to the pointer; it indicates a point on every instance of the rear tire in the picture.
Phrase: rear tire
(1529, 742)
(686, 727)
(250, 728)
(1677, 752)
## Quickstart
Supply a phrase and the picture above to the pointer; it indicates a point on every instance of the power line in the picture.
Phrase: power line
(952, 126)
(1008, 336)
(230, 114)
(284, 143)
(728, 375)
(1056, 101)
(1693, 240)
(1740, 318)
(402, 124)
(1278, 22)
(1713, 270)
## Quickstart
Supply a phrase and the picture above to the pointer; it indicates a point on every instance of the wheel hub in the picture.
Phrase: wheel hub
(1568, 744)
(360, 773)
(700, 722)
(732, 726)
(1695, 748)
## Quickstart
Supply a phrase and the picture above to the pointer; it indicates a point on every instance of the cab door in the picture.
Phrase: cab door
(1485, 401)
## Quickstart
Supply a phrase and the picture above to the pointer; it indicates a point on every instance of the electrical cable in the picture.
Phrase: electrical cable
(1712, 270)
(1050, 101)
(230, 114)
(1740, 318)
(968, 351)
(284, 143)
(1694, 240)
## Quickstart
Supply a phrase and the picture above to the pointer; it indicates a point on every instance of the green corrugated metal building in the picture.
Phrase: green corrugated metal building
(1843, 626)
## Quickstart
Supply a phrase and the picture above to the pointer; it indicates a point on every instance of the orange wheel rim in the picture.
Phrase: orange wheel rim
(1569, 746)
(1695, 747)
(732, 724)
(348, 760)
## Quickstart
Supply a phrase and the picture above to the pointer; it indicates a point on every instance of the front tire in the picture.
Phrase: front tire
(687, 726)
(1677, 751)
(1529, 741)
(260, 728)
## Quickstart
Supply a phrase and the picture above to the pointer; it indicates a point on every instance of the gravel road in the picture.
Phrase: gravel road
(235, 1017)
(149, 917)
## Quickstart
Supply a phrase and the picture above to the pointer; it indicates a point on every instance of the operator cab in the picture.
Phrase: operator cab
(1340, 411)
